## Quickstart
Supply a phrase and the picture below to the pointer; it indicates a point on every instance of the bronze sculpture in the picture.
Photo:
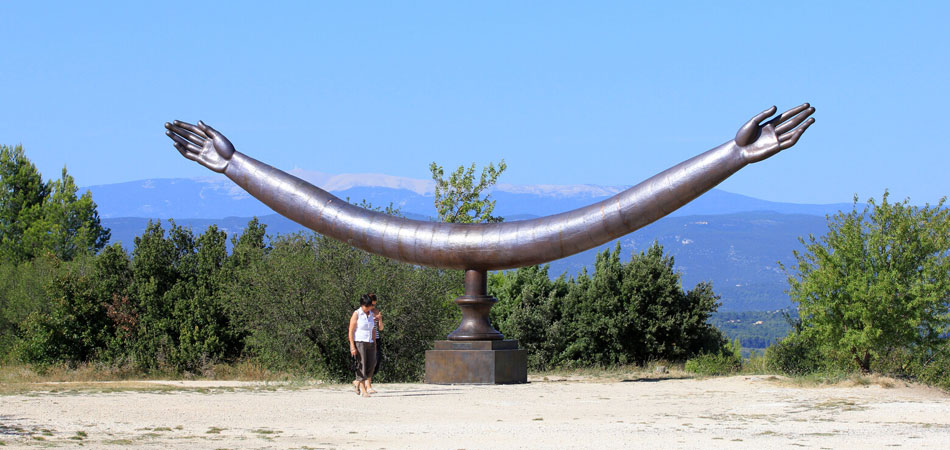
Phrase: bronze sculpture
(477, 248)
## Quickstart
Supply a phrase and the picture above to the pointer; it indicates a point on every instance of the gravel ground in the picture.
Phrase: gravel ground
(736, 412)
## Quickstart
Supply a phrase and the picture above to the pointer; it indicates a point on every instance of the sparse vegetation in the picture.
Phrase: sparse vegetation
(725, 362)
(873, 295)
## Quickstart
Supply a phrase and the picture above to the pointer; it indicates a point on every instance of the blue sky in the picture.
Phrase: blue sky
(566, 93)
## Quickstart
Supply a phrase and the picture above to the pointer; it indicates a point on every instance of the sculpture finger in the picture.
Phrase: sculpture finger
(197, 139)
(186, 153)
(789, 114)
(764, 115)
(750, 130)
(211, 132)
(789, 139)
(192, 129)
(794, 121)
(184, 143)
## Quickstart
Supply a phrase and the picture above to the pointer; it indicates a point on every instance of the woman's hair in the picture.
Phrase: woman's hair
(372, 297)
(366, 299)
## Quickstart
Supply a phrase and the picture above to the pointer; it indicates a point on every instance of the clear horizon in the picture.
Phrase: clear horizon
(606, 94)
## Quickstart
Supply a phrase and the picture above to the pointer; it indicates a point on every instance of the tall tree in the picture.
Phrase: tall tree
(22, 194)
(67, 225)
(459, 199)
(37, 217)
(876, 287)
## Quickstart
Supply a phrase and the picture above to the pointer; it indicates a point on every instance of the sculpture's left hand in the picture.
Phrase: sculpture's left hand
(758, 141)
(201, 143)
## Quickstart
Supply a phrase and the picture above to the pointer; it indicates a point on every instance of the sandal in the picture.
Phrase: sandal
(356, 384)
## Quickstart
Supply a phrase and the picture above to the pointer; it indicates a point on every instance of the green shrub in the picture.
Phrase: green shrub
(725, 362)
(713, 364)
(795, 355)
(622, 313)
(932, 368)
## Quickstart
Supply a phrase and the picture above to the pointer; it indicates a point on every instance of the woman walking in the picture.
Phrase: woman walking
(363, 345)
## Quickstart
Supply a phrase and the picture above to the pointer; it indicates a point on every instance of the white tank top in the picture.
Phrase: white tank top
(364, 326)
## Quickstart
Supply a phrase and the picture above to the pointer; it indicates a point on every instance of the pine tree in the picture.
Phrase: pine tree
(22, 194)
(67, 225)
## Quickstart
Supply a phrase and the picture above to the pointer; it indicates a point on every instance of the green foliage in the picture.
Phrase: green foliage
(932, 367)
(74, 326)
(37, 217)
(294, 300)
(204, 331)
(530, 309)
(795, 355)
(176, 305)
(874, 292)
(621, 314)
(68, 226)
(725, 362)
(459, 199)
(23, 289)
(22, 193)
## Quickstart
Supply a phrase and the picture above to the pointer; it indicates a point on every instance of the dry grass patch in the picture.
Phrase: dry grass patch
(840, 380)
(656, 370)
(92, 372)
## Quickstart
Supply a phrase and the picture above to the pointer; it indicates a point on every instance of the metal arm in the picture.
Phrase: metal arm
(499, 245)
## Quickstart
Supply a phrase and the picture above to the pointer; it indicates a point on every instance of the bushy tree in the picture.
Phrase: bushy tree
(460, 199)
(294, 298)
(204, 332)
(873, 293)
(23, 290)
(620, 314)
(530, 309)
(635, 312)
(73, 326)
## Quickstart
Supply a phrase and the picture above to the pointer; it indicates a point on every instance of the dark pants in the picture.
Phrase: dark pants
(365, 360)
(379, 355)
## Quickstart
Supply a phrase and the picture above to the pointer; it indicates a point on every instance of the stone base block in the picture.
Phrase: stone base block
(476, 362)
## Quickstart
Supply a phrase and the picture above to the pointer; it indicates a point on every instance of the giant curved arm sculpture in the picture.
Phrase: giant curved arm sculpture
(478, 248)
(498, 245)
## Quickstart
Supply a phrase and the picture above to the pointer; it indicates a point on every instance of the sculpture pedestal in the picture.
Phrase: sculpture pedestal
(476, 362)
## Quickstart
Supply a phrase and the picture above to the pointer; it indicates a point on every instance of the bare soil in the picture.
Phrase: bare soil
(552, 412)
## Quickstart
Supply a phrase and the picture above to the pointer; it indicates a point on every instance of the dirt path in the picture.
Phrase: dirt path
(737, 412)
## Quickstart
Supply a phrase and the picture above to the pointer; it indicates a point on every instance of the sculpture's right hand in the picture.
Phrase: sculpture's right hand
(201, 143)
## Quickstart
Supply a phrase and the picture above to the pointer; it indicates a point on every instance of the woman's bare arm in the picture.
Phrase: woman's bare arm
(352, 333)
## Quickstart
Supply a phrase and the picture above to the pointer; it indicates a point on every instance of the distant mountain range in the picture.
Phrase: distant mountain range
(733, 240)
(217, 197)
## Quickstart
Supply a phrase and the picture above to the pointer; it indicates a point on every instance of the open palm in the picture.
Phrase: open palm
(201, 143)
(759, 141)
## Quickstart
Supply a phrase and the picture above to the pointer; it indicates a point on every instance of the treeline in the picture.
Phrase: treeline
(873, 295)
(180, 303)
